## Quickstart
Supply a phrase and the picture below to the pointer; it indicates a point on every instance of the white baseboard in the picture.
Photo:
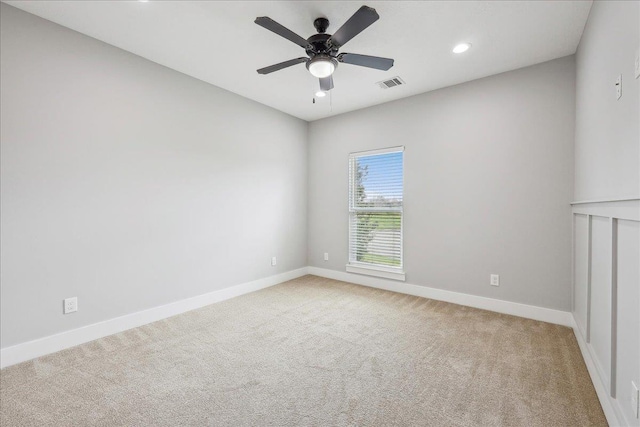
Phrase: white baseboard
(610, 406)
(557, 317)
(40, 347)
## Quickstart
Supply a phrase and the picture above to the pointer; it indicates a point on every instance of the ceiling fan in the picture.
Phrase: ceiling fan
(322, 49)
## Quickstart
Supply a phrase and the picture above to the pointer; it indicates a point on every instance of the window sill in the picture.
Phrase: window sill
(369, 270)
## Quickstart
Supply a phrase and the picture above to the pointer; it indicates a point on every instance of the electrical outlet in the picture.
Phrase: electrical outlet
(635, 399)
(495, 280)
(619, 87)
(273, 261)
(70, 305)
(326, 256)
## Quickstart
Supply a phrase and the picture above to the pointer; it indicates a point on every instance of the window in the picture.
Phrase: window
(375, 212)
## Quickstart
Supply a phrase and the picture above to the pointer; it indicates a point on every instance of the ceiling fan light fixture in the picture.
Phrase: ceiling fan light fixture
(322, 66)
(321, 94)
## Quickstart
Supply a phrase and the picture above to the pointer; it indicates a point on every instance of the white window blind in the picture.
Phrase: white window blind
(375, 208)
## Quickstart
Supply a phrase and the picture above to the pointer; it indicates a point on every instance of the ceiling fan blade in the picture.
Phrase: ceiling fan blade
(360, 20)
(366, 61)
(326, 83)
(280, 66)
(271, 25)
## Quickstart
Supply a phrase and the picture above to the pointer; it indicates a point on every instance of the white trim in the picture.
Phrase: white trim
(622, 209)
(576, 327)
(557, 317)
(621, 199)
(610, 406)
(398, 149)
(589, 257)
(40, 347)
(613, 279)
(386, 273)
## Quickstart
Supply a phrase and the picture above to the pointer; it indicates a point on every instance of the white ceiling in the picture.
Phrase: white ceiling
(219, 43)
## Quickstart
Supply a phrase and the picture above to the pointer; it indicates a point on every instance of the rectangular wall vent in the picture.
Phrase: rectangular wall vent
(392, 82)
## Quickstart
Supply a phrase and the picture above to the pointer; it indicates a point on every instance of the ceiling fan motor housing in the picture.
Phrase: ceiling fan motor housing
(320, 44)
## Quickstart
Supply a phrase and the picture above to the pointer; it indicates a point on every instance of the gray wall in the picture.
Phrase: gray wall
(607, 145)
(130, 185)
(488, 182)
(606, 304)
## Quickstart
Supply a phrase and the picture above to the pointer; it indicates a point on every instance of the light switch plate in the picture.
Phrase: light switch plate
(637, 63)
(619, 86)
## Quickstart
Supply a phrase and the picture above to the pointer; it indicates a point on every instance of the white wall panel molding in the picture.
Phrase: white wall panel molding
(589, 264)
(619, 199)
(580, 271)
(614, 304)
(605, 239)
(627, 332)
(628, 209)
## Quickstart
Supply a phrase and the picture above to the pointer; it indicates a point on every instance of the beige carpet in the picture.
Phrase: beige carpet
(313, 352)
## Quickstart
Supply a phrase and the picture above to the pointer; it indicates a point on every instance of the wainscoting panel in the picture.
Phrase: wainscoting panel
(628, 330)
(600, 319)
(580, 270)
(606, 300)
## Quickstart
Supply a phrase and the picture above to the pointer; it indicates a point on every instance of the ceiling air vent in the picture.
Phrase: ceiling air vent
(392, 82)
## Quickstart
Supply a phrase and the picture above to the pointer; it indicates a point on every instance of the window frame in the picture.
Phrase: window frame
(371, 269)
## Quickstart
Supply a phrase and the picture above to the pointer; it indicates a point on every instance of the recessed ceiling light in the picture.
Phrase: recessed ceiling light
(321, 94)
(462, 47)
(143, 1)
